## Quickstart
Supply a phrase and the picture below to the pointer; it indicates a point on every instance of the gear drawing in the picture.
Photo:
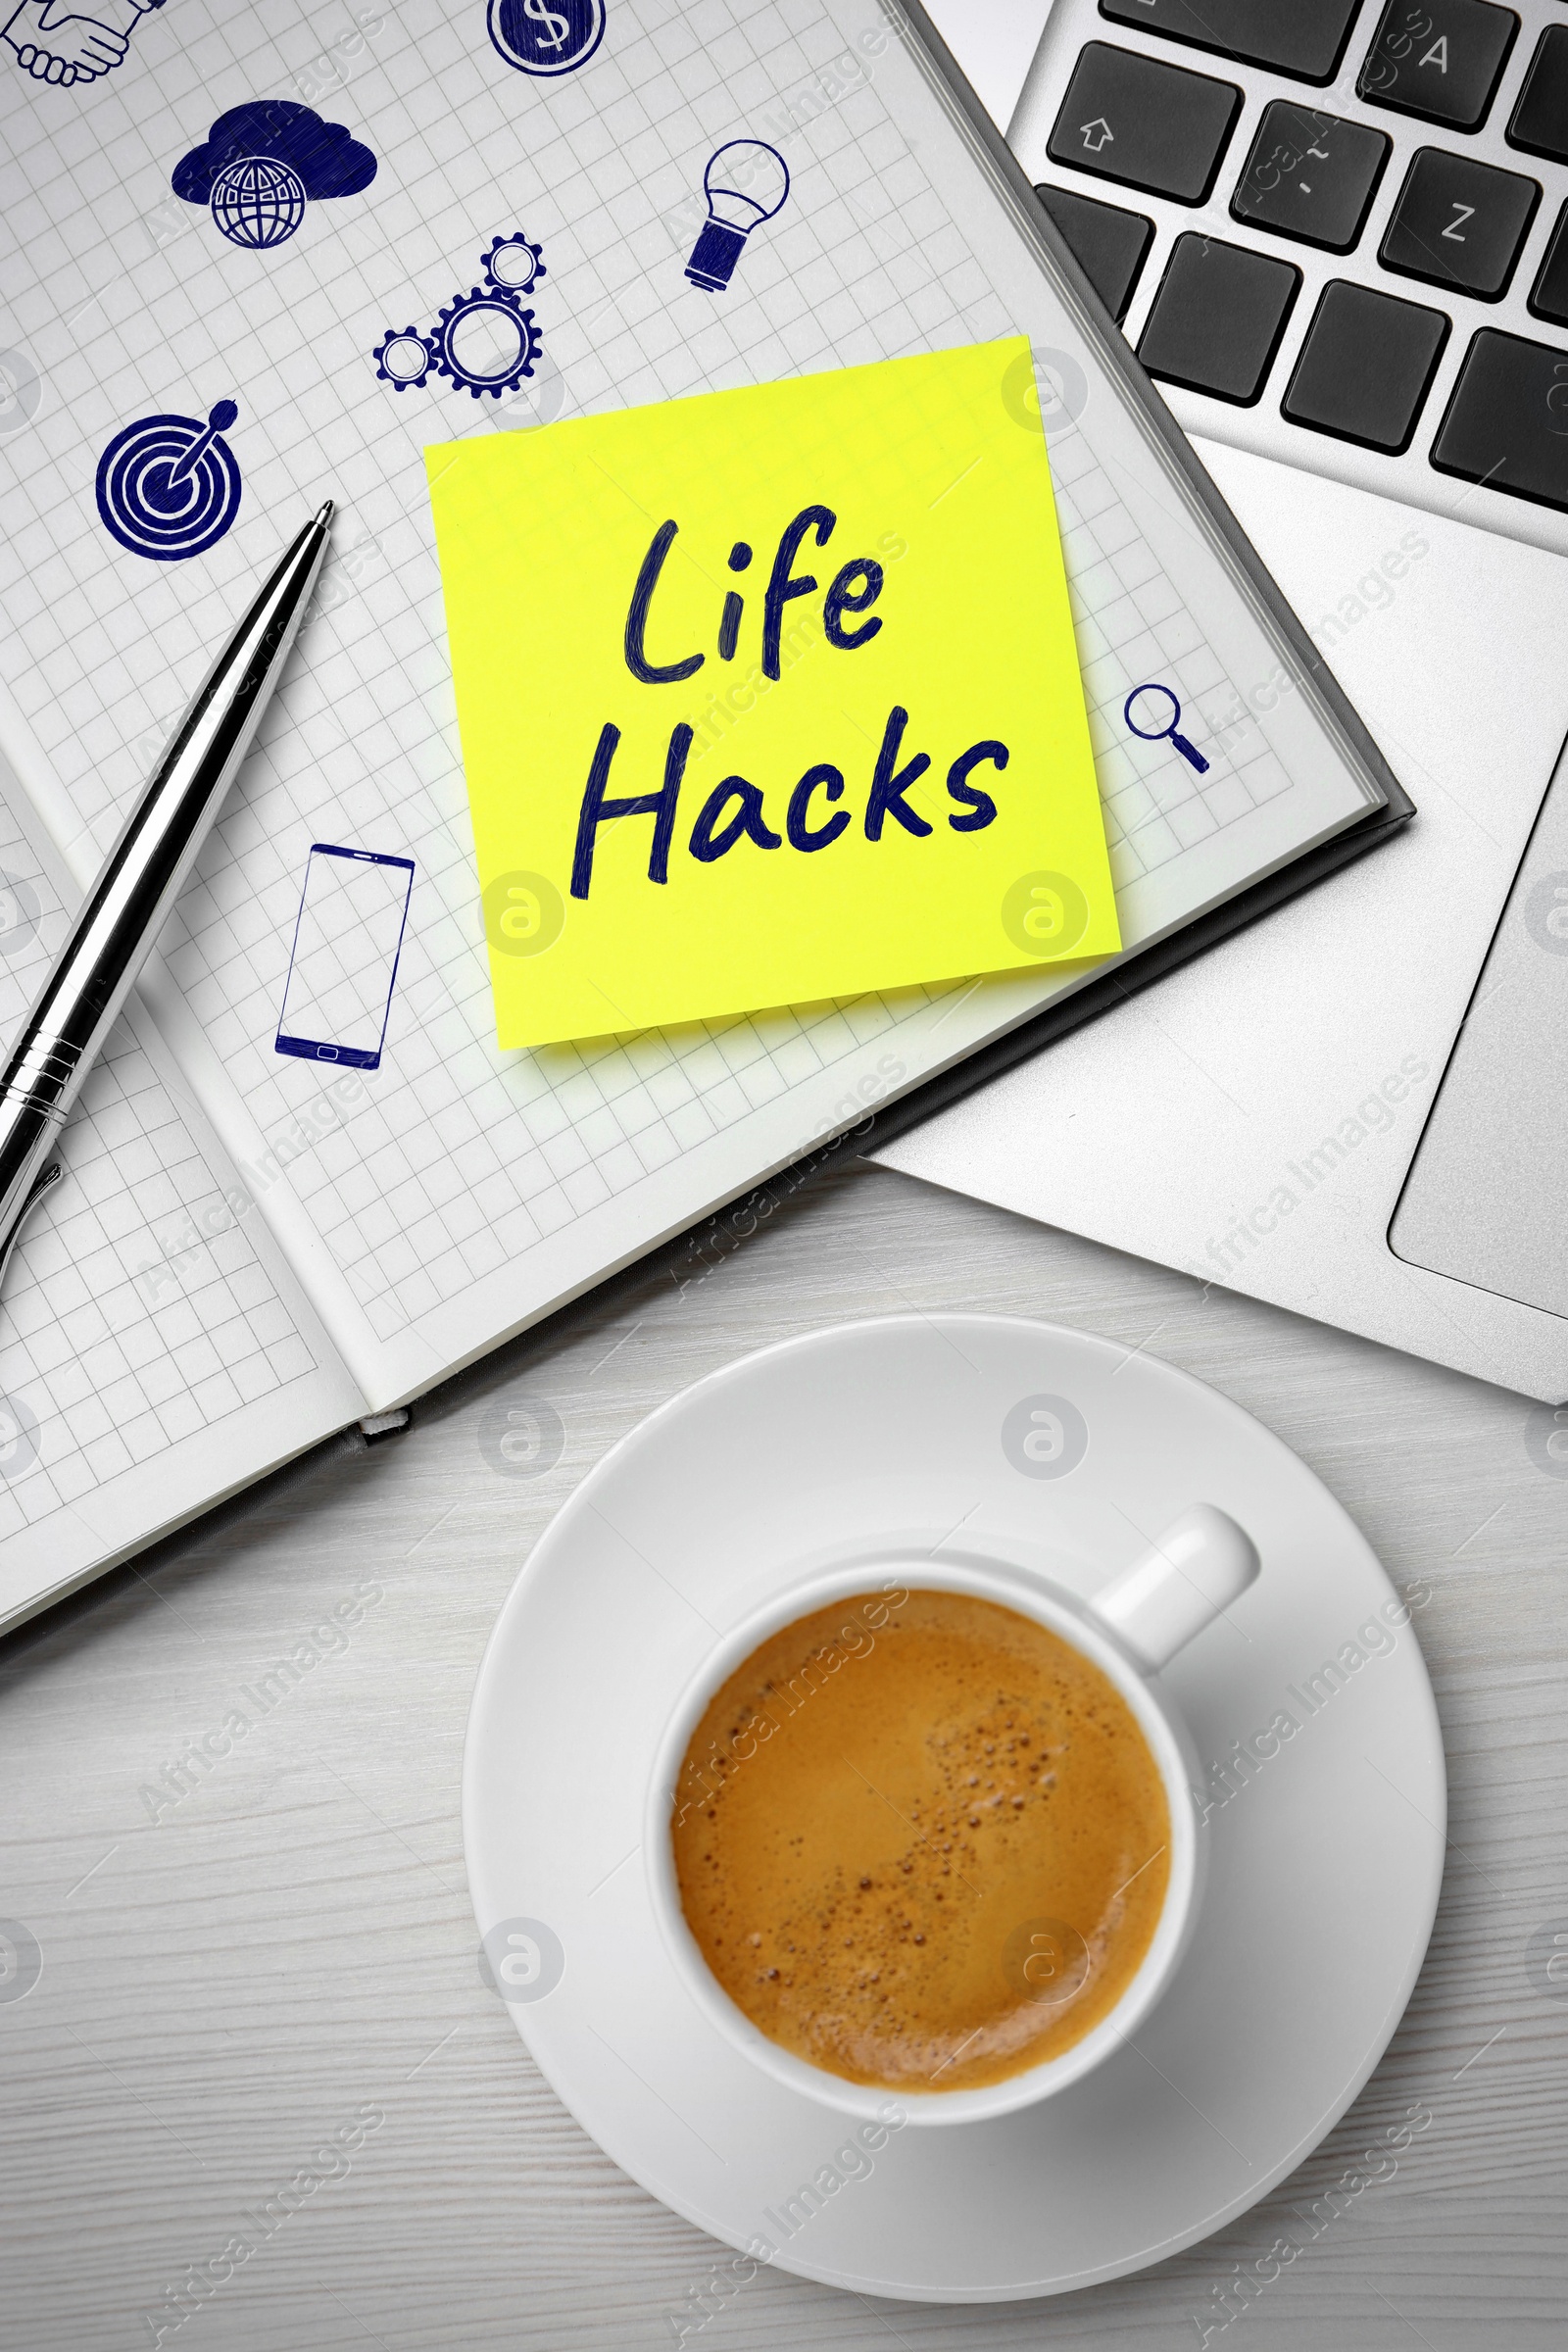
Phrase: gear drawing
(514, 266)
(484, 340)
(403, 358)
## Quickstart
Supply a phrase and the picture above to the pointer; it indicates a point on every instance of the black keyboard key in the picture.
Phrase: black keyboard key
(1365, 367)
(1150, 126)
(1539, 123)
(1548, 296)
(1310, 175)
(1303, 37)
(1109, 245)
(1218, 318)
(1508, 423)
(1439, 58)
(1459, 223)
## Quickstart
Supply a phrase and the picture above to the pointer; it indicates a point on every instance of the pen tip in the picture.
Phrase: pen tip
(324, 512)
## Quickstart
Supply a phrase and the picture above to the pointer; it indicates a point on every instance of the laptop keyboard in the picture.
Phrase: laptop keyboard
(1339, 225)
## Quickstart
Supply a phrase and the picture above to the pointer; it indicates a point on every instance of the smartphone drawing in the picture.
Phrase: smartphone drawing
(347, 940)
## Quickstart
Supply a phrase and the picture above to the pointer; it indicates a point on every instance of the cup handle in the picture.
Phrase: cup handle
(1194, 1569)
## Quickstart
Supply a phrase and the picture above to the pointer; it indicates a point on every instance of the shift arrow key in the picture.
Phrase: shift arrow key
(1150, 126)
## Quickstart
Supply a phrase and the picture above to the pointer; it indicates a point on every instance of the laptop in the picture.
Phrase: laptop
(1336, 233)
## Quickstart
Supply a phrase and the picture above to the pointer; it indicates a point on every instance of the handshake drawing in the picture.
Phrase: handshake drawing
(56, 41)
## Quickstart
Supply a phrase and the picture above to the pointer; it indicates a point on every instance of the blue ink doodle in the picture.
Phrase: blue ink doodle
(403, 359)
(484, 340)
(512, 265)
(262, 162)
(169, 486)
(546, 36)
(746, 183)
(1152, 733)
(343, 966)
(56, 41)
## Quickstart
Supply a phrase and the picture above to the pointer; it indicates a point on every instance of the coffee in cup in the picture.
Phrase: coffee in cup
(921, 1840)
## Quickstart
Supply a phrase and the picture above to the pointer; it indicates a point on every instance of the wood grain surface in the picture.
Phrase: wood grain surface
(287, 1949)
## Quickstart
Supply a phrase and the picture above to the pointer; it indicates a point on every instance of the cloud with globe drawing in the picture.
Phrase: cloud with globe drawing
(261, 161)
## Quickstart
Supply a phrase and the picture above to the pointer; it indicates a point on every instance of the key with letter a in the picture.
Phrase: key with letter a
(1440, 59)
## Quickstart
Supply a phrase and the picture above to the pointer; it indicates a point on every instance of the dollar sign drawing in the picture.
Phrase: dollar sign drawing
(543, 13)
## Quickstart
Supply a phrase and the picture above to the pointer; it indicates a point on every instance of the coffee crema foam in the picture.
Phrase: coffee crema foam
(921, 1840)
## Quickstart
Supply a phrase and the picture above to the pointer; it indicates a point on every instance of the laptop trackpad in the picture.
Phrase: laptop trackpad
(1486, 1199)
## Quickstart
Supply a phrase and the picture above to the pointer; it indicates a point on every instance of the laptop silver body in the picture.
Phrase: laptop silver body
(1356, 1109)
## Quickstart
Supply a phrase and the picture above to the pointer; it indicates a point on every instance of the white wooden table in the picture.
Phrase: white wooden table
(287, 1948)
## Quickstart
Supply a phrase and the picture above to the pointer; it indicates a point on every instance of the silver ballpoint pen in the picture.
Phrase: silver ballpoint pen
(143, 874)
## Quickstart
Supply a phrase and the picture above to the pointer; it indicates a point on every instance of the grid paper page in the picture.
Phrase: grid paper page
(462, 1159)
(126, 1325)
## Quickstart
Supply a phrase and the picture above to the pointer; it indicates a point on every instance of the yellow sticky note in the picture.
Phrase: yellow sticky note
(770, 696)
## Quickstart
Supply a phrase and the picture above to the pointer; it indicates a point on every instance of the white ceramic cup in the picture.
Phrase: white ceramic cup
(1201, 1563)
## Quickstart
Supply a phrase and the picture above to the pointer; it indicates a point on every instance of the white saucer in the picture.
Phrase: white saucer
(875, 1439)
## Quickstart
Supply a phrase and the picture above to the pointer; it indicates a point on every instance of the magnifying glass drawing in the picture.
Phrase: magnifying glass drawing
(1158, 733)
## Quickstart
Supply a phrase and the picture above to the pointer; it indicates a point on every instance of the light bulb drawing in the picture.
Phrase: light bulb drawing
(746, 183)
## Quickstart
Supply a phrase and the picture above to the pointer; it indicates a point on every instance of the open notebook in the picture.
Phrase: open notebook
(255, 1248)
